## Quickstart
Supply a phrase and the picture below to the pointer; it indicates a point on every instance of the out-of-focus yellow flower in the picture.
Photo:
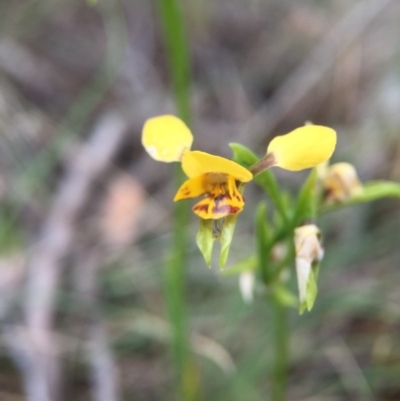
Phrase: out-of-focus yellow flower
(305, 147)
(341, 182)
(166, 138)
(308, 250)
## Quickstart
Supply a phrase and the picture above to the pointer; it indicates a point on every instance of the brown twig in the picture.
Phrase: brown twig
(45, 262)
(103, 367)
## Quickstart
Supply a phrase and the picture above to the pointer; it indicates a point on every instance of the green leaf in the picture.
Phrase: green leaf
(306, 205)
(263, 237)
(378, 189)
(241, 266)
(372, 190)
(205, 239)
(284, 296)
(266, 180)
(227, 231)
(242, 155)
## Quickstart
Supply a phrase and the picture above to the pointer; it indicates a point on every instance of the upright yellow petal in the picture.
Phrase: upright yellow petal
(197, 163)
(303, 148)
(166, 137)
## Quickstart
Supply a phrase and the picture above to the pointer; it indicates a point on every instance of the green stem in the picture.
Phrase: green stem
(175, 40)
(280, 334)
(280, 346)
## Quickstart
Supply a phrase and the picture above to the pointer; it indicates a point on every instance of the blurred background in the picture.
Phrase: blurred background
(85, 214)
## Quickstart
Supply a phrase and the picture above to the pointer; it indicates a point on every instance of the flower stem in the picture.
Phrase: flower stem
(279, 327)
(263, 164)
(280, 346)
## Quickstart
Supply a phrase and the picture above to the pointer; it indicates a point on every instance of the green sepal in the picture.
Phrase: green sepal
(228, 228)
(206, 236)
(205, 239)
(312, 289)
(284, 296)
(306, 205)
(372, 190)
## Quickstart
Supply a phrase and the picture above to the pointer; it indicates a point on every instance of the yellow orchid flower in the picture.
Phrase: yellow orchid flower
(167, 138)
(215, 177)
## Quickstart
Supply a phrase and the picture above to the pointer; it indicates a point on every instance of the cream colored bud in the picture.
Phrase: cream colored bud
(307, 242)
(308, 250)
(341, 182)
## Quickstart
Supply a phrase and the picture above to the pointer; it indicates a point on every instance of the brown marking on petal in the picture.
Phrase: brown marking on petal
(219, 202)
(224, 208)
(200, 208)
(221, 209)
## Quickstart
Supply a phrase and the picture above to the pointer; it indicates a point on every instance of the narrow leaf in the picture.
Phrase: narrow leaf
(284, 296)
(263, 236)
(306, 205)
(372, 190)
(378, 189)
(266, 180)
(241, 266)
(243, 155)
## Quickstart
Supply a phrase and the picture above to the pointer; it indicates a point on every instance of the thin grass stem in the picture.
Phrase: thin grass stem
(175, 39)
(280, 346)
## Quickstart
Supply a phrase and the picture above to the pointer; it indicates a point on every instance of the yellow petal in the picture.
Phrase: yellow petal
(218, 207)
(197, 163)
(194, 187)
(304, 147)
(166, 137)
